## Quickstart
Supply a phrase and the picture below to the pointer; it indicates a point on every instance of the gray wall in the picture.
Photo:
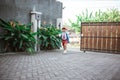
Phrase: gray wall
(19, 10)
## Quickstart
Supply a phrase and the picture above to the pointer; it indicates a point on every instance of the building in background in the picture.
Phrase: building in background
(19, 10)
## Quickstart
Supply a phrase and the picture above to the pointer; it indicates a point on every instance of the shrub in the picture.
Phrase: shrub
(49, 38)
(17, 37)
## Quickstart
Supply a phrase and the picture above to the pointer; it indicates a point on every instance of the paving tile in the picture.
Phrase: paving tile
(53, 65)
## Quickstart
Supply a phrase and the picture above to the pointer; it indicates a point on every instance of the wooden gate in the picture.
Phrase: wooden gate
(100, 36)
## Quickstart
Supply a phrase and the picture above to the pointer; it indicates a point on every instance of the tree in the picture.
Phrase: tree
(111, 15)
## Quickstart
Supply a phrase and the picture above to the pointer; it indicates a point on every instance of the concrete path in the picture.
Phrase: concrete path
(54, 65)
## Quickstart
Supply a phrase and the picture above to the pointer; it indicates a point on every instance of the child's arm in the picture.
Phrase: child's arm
(67, 38)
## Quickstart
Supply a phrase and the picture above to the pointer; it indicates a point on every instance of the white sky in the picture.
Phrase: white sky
(75, 7)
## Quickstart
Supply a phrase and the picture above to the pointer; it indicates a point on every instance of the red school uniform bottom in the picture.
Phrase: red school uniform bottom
(64, 42)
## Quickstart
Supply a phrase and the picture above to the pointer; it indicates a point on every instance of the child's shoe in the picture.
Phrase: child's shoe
(65, 51)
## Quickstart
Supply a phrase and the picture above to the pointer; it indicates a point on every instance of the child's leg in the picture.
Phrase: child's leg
(64, 44)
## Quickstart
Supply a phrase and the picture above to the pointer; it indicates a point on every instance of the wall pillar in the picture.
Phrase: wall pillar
(36, 23)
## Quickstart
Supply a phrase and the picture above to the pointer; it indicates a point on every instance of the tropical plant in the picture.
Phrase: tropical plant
(111, 15)
(17, 37)
(49, 38)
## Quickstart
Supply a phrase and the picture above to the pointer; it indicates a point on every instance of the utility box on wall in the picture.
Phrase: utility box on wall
(38, 16)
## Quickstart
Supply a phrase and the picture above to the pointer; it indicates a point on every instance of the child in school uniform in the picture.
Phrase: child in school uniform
(65, 39)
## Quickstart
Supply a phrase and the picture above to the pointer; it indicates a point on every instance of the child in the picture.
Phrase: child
(65, 39)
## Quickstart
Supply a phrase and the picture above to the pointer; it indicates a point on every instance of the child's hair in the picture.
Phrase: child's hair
(64, 28)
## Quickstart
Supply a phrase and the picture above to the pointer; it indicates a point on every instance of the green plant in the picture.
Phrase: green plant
(17, 37)
(48, 38)
(111, 15)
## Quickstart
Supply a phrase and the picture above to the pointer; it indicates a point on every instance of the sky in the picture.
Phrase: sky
(75, 7)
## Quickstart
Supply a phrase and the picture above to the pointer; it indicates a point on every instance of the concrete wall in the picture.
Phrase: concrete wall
(19, 10)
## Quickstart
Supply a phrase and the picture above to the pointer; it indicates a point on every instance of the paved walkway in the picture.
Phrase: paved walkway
(53, 65)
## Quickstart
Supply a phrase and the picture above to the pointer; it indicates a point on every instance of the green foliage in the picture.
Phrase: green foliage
(111, 15)
(17, 37)
(49, 38)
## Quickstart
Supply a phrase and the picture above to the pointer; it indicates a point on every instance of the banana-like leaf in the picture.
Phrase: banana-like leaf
(21, 44)
(4, 22)
(7, 38)
(24, 36)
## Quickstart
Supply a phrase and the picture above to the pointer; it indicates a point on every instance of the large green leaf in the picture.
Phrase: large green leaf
(8, 37)
(4, 22)
(24, 36)
(21, 44)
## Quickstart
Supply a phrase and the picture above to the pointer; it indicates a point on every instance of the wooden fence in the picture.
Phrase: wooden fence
(100, 36)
